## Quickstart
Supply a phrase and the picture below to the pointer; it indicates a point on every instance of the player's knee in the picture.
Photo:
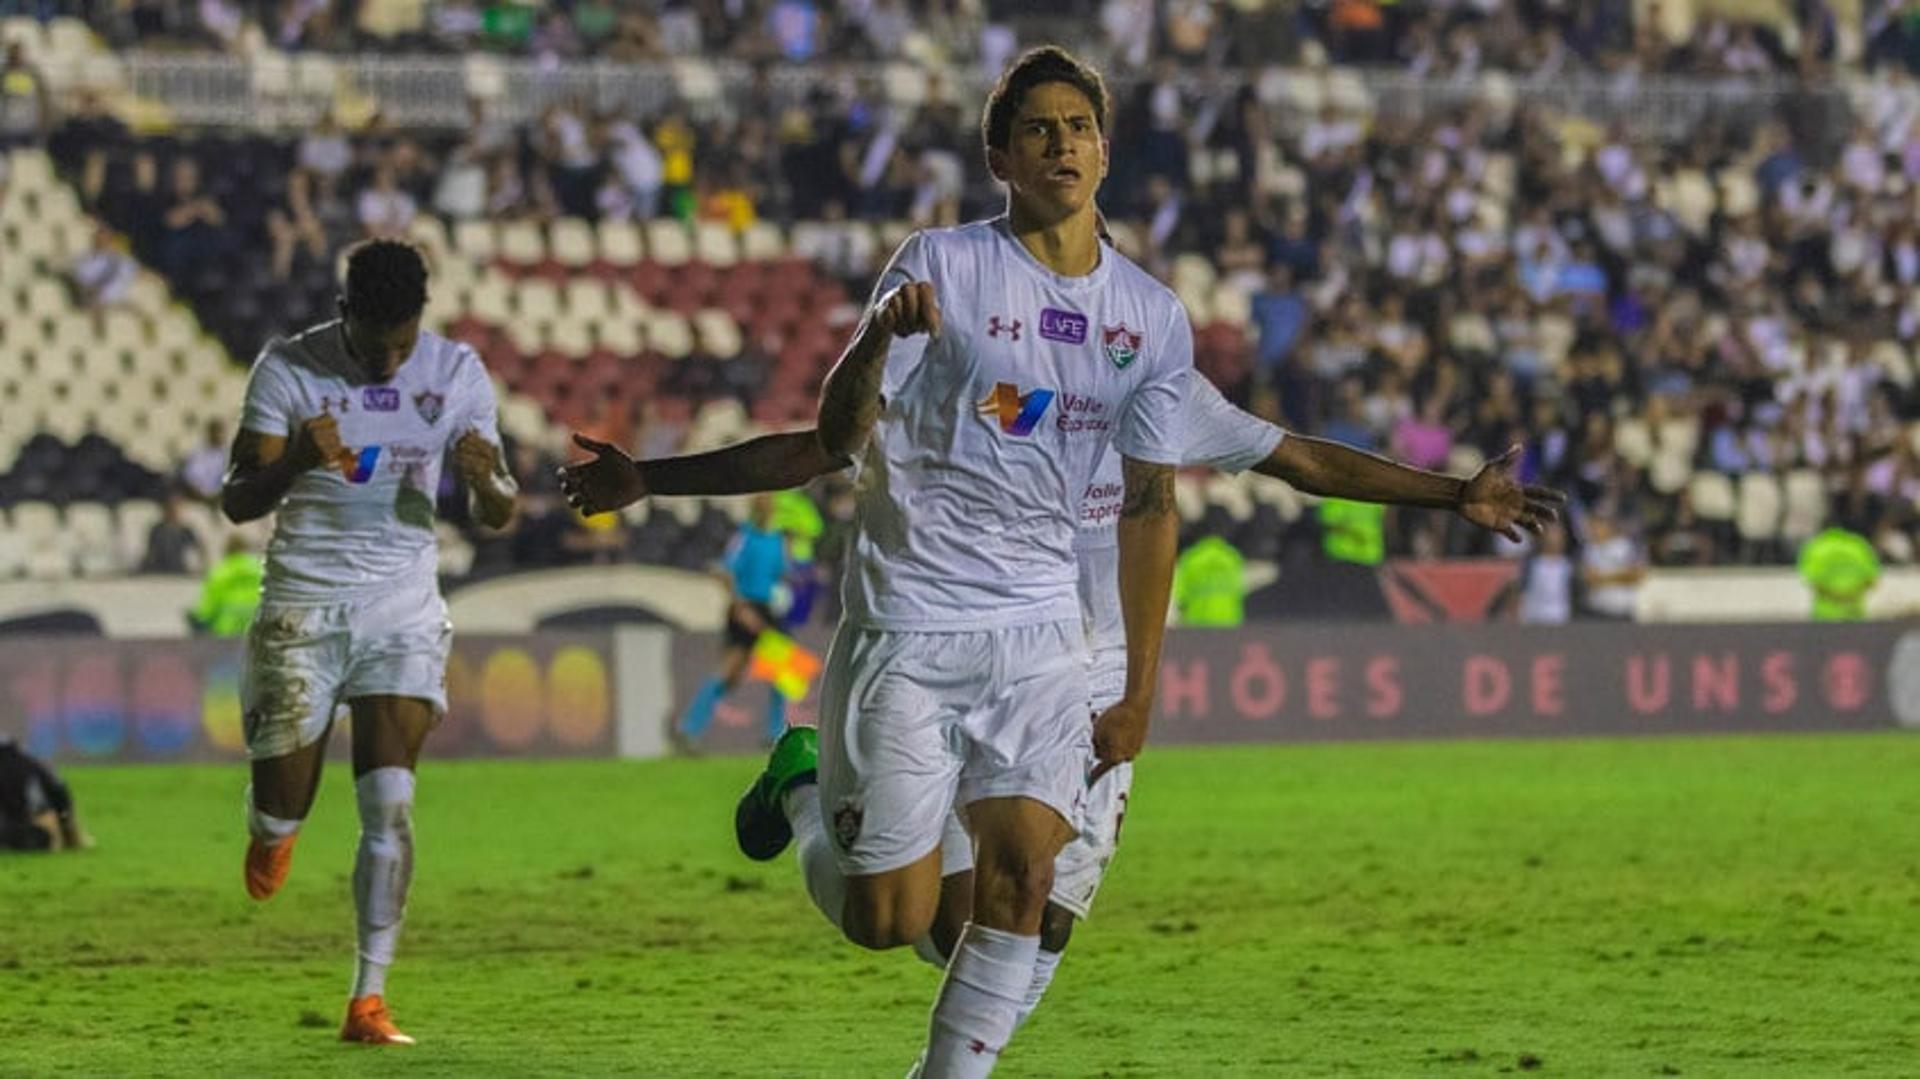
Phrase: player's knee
(1056, 928)
(385, 798)
(888, 922)
(1013, 883)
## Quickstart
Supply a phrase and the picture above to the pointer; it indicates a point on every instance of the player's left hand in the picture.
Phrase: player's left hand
(1496, 501)
(1119, 734)
(477, 459)
(610, 481)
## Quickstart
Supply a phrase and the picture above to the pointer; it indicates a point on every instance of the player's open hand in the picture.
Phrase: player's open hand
(1496, 501)
(1119, 734)
(609, 482)
(316, 444)
(477, 459)
(909, 309)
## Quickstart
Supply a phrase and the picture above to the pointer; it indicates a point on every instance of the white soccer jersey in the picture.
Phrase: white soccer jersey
(971, 483)
(1215, 434)
(368, 529)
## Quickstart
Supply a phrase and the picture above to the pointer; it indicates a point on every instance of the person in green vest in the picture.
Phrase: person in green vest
(1209, 584)
(1841, 567)
(1353, 532)
(229, 594)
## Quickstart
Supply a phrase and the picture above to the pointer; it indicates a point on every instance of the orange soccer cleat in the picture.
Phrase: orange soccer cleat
(369, 1023)
(267, 866)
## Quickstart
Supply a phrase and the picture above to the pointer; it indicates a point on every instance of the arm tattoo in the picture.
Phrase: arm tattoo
(1149, 489)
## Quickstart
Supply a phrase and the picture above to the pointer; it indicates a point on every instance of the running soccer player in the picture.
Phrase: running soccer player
(344, 430)
(996, 364)
(1215, 434)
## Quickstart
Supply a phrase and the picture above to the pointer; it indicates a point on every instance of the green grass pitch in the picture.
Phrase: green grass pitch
(1703, 907)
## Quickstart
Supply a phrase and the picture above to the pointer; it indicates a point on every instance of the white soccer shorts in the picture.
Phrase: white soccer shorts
(303, 659)
(913, 724)
(1083, 862)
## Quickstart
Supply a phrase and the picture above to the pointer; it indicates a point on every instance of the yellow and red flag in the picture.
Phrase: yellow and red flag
(779, 659)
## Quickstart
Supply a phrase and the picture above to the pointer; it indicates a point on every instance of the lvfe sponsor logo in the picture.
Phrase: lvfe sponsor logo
(380, 399)
(1017, 413)
(1065, 326)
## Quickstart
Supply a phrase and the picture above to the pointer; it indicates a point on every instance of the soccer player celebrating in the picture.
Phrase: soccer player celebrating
(344, 430)
(995, 366)
(1214, 434)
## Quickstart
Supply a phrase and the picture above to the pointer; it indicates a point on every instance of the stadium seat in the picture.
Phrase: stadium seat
(572, 242)
(538, 300)
(572, 337)
(476, 240)
(1231, 303)
(718, 334)
(588, 300)
(1465, 460)
(762, 242)
(89, 531)
(1633, 441)
(13, 549)
(1232, 493)
(430, 233)
(490, 298)
(668, 243)
(529, 335)
(715, 244)
(1678, 435)
(669, 334)
(133, 520)
(1805, 512)
(618, 243)
(620, 335)
(1758, 519)
(521, 244)
(1712, 496)
(695, 80)
(905, 85)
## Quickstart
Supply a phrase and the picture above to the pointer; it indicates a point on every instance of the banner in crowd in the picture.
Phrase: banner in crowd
(75, 699)
(1355, 681)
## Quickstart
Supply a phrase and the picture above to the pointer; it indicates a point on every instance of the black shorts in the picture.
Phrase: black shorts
(741, 635)
(22, 836)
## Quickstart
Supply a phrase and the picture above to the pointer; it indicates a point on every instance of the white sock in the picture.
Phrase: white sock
(381, 871)
(819, 866)
(265, 827)
(1043, 967)
(979, 1003)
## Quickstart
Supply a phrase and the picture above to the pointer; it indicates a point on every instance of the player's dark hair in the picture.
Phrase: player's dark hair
(386, 282)
(1036, 67)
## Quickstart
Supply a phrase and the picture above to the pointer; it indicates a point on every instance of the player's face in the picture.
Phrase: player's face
(1055, 155)
(383, 348)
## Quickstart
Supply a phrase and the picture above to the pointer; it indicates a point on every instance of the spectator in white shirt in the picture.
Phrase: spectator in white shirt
(105, 275)
(384, 209)
(1611, 568)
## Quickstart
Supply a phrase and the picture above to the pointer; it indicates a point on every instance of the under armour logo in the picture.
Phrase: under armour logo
(980, 1048)
(995, 327)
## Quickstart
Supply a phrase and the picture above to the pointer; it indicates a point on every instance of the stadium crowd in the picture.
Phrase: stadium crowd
(1461, 37)
(1744, 301)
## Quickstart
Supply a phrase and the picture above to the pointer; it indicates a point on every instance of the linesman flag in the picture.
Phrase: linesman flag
(779, 659)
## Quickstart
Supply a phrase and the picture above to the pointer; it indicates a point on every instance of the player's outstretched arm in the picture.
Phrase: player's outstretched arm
(1490, 498)
(264, 466)
(611, 480)
(1149, 533)
(850, 398)
(767, 463)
